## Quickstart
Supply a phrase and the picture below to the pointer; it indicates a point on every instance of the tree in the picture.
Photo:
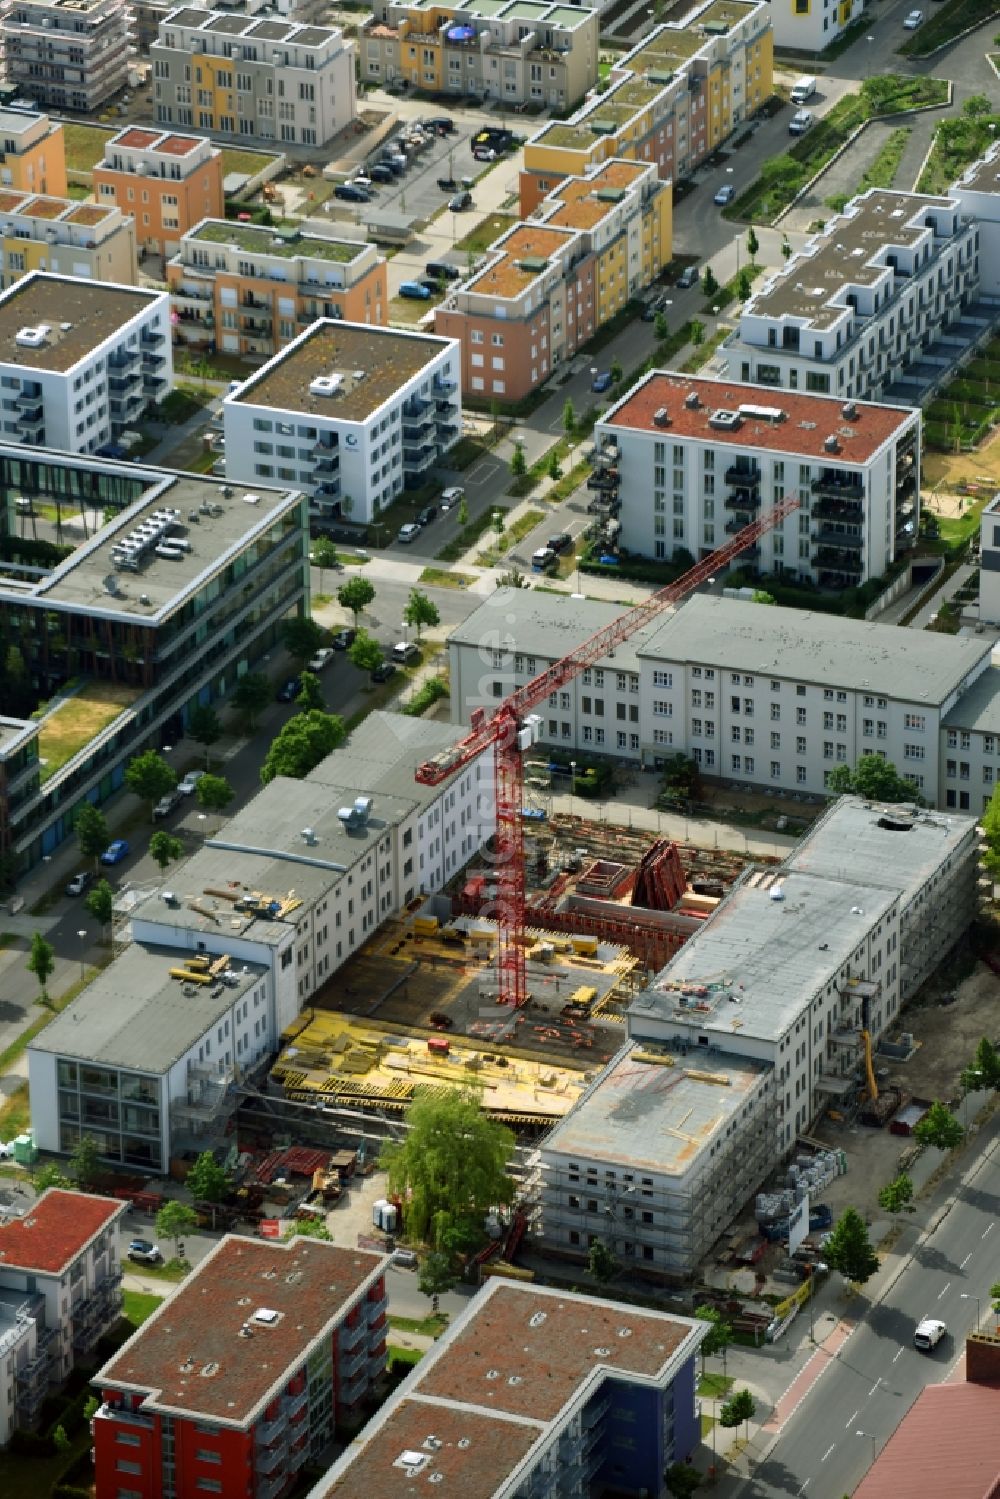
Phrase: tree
(173, 1221)
(740, 1407)
(984, 1071)
(91, 828)
(148, 776)
(60, 1440)
(304, 741)
(660, 326)
(681, 1480)
(897, 1196)
(165, 848)
(324, 556)
(252, 695)
(680, 777)
(744, 285)
(365, 653)
(761, 596)
(875, 779)
(995, 1296)
(786, 248)
(463, 504)
(616, 372)
(719, 1336)
(48, 1176)
(450, 1170)
(518, 465)
(310, 694)
(849, 1249)
(438, 1273)
(939, 1127)
(554, 468)
(697, 332)
(302, 637)
(569, 417)
(206, 1181)
(753, 244)
(100, 902)
(421, 611)
(41, 962)
(991, 831)
(602, 1262)
(356, 594)
(978, 104)
(85, 1163)
(498, 517)
(310, 1228)
(204, 726)
(709, 285)
(214, 793)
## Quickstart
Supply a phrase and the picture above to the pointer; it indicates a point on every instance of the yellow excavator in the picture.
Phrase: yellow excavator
(871, 1086)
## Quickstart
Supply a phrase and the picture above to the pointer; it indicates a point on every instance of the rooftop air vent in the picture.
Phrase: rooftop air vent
(412, 1462)
(831, 444)
(661, 417)
(849, 411)
(692, 401)
(31, 338)
(309, 835)
(772, 414)
(326, 385)
(266, 1316)
(251, 499)
(536, 1319)
(210, 1369)
(726, 421)
(433, 1443)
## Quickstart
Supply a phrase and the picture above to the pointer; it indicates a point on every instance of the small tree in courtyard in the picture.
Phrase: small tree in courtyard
(939, 1127)
(849, 1248)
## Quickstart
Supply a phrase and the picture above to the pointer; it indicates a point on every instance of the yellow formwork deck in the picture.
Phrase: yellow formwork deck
(336, 1058)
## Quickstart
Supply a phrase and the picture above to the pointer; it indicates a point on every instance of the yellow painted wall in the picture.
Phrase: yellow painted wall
(41, 168)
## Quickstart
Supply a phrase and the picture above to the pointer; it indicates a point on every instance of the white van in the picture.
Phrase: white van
(803, 89)
(404, 651)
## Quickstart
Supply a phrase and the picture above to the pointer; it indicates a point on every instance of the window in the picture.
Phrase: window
(663, 709)
(663, 679)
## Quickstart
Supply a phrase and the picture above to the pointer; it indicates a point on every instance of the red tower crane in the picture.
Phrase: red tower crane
(511, 731)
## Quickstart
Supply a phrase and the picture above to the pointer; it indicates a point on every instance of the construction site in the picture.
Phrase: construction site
(418, 1006)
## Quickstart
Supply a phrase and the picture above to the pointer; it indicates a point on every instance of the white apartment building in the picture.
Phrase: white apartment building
(714, 455)
(350, 413)
(879, 306)
(760, 695)
(977, 193)
(752, 1030)
(68, 54)
(800, 26)
(253, 78)
(268, 910)
(970, 747)
(80, 360)
(60, 1292)
(989, 563)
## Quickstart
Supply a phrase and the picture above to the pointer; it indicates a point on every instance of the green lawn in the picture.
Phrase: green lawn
(480, 238)
(714, 1386)
(441, 577)
(431, 1327)
(72, 725)
(84, 145)
(968, 407)
(139, 1305)
(249, 163)
(882, 172)
(957, 143)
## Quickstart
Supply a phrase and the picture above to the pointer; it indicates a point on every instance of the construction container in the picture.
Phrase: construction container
(385, 1215)
(585, 946)
(25, 1150)
(583, 997)
(438, 1046)
(425, 926)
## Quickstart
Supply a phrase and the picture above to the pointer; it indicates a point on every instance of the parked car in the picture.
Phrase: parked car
(405, 1259)
(601, 382)
(484, 153)
(442, 269)
(365, 183)
(560, 543)
(460, 201)
(912, 20)
(415, 290)
(382, 172)
(289, 690)
(166, 804)
(543, 561)
(322, 658)
(688, 277)
(928, 1334)
(384, 672)
(344, 639)
(80, 882)
(451, 496)
(408, 533)
(443, 124)
(188, 784)
(115, 852)
(348, 193)
(652, 307)
(144, 1252)
(404, 652)
(800, 122)
(725, 194)
(425, 516)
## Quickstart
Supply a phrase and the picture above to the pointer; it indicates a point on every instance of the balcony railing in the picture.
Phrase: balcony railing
(838, 488)
(744, 476)
(743, 500)
(841, 540)
(269, 1432)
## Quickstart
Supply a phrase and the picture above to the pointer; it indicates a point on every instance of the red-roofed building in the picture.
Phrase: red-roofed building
(243, 1373)
(682, 462)
(166, 181)
(60, 1292)
(946, 1444)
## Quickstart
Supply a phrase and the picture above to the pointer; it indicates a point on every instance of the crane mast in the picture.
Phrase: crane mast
(510, 731)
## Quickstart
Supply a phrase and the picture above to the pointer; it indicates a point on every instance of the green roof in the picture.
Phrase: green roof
(264, 242)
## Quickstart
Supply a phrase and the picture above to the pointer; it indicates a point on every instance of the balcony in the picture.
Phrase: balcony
(269, 1432)
(376, 1311)
(743, 499)
(352, 1365)
(29, 396)
(272, 1487)
(839, 486)
(349, 1337)
(152, 338)
(841, 540)
(270, 1459)
(830, 509)
(293, 1405)
(443, 387)
(326, 461)
(743, 476)
(418, 459)
(249, 300)
(123, 359)
(606, 479)
(192, 294)
(31, 421)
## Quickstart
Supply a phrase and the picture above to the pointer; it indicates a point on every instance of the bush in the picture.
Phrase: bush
(433, 689)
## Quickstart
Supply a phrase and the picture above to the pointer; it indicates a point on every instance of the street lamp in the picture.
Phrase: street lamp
(968, 1296)
(572, 784)
(874, 1441)
(83, 937)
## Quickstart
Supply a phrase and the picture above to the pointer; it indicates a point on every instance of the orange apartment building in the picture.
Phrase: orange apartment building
(547, 285)
(32, 153)
(167, 182)
(250, 291)
(672, 100)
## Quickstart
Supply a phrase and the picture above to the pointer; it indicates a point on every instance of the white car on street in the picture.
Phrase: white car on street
(451, 496)
(928, 1334)
(913, 20)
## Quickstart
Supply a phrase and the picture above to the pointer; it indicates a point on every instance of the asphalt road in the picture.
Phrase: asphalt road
(856, 1405)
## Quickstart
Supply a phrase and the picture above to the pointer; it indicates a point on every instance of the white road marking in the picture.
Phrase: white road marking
(876, 1386)
(803, 1488)
(968, 1257)
(851, 1420)
(987, 1230)
(826, 1454)
(486, 468)
(947, 1287)
(897, 1355)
